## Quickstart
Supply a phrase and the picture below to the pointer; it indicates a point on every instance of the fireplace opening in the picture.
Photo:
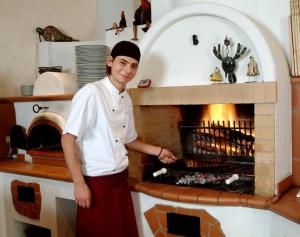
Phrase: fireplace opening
(218, 148)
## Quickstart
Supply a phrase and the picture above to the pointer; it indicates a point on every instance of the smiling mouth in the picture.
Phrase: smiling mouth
(124, 76)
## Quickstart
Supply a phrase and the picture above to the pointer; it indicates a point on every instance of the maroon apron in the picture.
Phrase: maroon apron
(111, 213)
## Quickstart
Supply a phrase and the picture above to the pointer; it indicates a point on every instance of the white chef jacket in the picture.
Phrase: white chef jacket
(102, 120)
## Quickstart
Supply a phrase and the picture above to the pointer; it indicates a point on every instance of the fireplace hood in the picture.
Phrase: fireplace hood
(171, 60)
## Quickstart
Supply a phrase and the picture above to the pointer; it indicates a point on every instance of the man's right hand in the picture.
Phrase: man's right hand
(82, 195)
(82, 192)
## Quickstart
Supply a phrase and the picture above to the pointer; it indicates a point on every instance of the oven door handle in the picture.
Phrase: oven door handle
(36, 108)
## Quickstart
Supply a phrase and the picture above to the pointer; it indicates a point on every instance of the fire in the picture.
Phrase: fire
(220, 112)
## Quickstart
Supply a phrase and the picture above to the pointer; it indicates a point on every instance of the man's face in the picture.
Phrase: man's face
(123, 70)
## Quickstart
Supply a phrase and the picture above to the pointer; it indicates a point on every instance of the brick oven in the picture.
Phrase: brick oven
(38, 131)
(180, 71)
(36, 206)
(40, 119)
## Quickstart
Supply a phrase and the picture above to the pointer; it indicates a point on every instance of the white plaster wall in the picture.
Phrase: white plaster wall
(235, 221)
(60, 54)
(111, 39)
(85, 19)
(109, 12)
(173, 60)
(50, 190)
(271, 15)
(25, 114)
(170, 58)
(18, 43)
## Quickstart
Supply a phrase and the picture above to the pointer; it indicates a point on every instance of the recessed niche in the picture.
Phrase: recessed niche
(66, 217)
(25, 194)
(27, 230)
(179, 224)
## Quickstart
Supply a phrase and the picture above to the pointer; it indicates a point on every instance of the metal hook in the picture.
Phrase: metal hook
(195, 40)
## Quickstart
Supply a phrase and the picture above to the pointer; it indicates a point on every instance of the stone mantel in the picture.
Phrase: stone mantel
(240, 93)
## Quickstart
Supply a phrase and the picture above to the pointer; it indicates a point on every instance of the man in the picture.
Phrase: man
(100, 127)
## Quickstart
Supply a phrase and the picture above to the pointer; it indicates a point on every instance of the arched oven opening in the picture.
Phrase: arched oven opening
(41, 140)
(44, 135)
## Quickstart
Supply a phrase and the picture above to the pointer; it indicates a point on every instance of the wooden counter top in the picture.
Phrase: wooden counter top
(36, 170)
(287, 205)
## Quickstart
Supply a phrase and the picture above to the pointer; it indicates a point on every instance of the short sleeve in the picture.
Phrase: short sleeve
(83, 111)
(131, 134)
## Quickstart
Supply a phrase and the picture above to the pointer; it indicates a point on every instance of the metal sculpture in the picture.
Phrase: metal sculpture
(228, 63)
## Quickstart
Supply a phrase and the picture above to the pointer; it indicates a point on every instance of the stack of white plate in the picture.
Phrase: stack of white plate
(90, 63)
(26, 90)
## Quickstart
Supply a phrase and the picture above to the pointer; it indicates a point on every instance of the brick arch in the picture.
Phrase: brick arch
(44, 121)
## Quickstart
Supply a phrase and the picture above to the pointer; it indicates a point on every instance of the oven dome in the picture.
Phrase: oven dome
(55, 83)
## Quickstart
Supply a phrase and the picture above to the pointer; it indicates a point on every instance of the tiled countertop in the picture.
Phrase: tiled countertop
(287, 205)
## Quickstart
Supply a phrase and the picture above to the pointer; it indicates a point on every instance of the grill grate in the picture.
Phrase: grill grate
(212, 153)
(209, 138)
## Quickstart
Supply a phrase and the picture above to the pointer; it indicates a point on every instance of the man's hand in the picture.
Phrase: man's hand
(166, 156)
(82, 195)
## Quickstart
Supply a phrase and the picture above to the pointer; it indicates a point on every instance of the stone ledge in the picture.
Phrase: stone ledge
(287, 205)
(202, 195)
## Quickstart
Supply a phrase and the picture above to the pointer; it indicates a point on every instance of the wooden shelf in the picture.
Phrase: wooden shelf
(40, 98)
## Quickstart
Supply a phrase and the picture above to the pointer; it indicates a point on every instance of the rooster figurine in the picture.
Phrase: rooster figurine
(51, 33)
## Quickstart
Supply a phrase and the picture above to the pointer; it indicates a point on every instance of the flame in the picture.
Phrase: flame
(220, 112)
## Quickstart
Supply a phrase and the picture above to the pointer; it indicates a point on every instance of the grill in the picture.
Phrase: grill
(215, 155)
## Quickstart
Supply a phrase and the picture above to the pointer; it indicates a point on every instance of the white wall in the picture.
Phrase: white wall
(235, 221)
(109, 12)
(270, 14)
(86, 19)
(18, 43)
(52, 216)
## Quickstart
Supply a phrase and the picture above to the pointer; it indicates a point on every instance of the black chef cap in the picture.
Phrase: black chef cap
(126, 48)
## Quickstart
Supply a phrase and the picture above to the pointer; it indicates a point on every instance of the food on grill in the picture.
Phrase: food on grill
(200, 178)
